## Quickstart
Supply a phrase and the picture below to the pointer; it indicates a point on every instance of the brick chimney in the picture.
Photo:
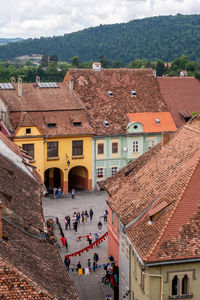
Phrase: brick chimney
(165, 137)
(19, 81)
(12, 79)
(71, 84)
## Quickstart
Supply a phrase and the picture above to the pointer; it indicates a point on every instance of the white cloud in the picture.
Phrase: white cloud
(37, 18)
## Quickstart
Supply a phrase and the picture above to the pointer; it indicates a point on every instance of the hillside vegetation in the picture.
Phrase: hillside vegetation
(164, 37)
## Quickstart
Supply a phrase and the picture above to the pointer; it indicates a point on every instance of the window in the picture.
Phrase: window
(142, 279)
(100, 149)
(52, 149)
(51, 125)
(185, 285)
(114, 170)
(114, 147)
(29, 148)
(100, 172)
(157, 121)
(151, 143)
(106, 123)
(110, 94)
(175, 286)
(135, 146)
(133, 93)
(77, 148)
(28, 130)
(77, 124)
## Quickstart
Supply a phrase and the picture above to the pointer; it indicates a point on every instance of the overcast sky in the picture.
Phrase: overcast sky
(36, 18)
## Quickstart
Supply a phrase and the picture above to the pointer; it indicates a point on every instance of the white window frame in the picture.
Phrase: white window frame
(135, 146)
(100, 172)
(114, 170)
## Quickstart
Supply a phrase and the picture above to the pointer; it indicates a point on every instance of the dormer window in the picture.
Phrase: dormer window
(51, 125)
(133, 93)
(110, 94)
(106, 123)
(28, 130)
(157, 121)
(77, 124)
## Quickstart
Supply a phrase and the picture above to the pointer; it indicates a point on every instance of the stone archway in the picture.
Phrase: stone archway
(78, 178)
(53, 177)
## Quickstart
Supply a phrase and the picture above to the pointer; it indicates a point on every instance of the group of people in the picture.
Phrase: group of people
(57, 192)
(90, 265)
(78, 218)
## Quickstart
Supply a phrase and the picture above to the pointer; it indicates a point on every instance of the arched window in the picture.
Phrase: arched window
(135, 146)
(185, 285)
(175, 286)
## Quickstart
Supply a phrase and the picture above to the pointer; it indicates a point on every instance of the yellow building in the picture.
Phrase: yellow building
(49, 123)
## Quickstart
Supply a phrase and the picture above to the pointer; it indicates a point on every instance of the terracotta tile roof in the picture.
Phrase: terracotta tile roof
(169, 176)
(10, 144)
(92, 88)
(39, 261)
(15, 285)
(181, 94)
(148, 119)
(62, 120)
(16, 187)
(43, 99)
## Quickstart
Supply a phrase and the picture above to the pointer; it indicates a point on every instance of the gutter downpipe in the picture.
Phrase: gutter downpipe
(160, 276)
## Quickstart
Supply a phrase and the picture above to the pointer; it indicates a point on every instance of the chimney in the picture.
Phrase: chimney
(71, 84)
(19, 81)
(165, 137)
(12, 79)
(37, 79)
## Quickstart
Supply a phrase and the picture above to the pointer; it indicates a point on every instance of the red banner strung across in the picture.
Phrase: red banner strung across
(86, 249)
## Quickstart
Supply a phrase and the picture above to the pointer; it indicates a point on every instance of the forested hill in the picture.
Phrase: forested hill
(7, 40)
(164, 37)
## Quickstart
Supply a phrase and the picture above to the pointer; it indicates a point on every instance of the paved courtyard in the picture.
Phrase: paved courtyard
(87, 286)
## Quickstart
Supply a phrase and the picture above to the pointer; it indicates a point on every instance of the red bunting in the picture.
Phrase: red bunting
(97, 242)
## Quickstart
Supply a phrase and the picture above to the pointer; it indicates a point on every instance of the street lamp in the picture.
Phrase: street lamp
(67, 159)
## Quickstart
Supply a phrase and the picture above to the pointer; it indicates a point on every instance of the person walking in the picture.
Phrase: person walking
(94, 265)
(90, 238)
(86, 216)
(78, 265)
(91, 214)
(78, 217)
(96, 257)
(89, 263)
(105, 216)
(96, 238)
(67, 262)
(82, 216)
(54, 192)
(59, 192)
(73, 193)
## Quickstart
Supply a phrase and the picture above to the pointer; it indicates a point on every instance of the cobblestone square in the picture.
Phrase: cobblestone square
(88, 286)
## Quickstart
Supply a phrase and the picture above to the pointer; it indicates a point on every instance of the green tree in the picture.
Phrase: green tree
(44, 61)
(75, 60)
(160, 68)
(54, 58)
(117, 64)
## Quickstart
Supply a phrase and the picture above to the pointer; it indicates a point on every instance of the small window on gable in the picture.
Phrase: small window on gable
(110, 94)
(51, 125)
(133, 93)
(157, 121)
(135, 126)
(77, 124)
(106, 123)
(28, 130)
